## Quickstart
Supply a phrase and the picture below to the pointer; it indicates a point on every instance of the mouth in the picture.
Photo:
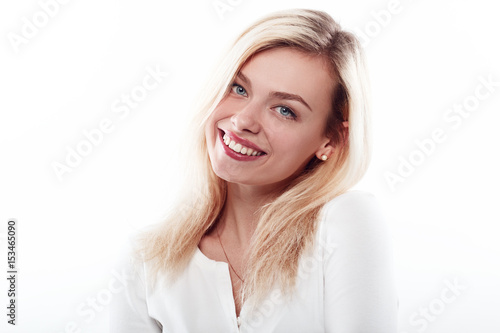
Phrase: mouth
(238, 147)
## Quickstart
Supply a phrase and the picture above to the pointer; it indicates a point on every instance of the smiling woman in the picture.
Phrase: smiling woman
(285, 128)
(273, 240)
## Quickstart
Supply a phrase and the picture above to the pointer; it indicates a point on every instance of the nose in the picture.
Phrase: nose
(247, 119)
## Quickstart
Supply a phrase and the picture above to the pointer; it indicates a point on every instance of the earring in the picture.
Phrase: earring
(324, 157)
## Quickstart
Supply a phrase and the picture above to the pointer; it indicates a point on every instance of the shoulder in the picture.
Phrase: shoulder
(129, 264)
(353, 204)
(130, 306)
(354, 215)
(358, 265)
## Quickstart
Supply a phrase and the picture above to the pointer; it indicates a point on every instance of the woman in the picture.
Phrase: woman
(271, 240)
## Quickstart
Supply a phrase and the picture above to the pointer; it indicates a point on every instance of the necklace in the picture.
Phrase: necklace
(225, 254)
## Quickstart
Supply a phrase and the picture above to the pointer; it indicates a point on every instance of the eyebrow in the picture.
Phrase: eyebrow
(277, 94)
(292, 97)
(244, 78)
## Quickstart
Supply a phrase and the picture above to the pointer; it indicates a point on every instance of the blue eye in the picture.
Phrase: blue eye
(239, 90)
(286, 112)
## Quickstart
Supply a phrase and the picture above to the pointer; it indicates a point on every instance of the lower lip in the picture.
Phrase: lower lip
(237, 156)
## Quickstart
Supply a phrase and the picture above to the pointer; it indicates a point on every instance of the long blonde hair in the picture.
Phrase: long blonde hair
(287, 225)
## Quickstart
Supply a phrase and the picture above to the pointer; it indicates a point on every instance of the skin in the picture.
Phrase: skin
(254, 112)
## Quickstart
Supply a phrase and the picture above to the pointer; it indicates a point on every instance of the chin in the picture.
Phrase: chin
(233, 178)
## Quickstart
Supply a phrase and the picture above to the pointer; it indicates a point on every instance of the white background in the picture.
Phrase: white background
(63, 80)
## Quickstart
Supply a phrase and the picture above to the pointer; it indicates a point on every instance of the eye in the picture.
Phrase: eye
(286, 112)
(239, 90)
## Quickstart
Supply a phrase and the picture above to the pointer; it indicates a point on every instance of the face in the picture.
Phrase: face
(272, 122)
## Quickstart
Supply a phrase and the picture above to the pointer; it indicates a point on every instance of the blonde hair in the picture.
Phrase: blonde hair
(287, 225)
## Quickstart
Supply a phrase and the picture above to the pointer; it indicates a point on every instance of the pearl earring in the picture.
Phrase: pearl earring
(324, 157)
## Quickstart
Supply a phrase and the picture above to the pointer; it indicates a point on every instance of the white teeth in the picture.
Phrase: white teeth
(237, 147)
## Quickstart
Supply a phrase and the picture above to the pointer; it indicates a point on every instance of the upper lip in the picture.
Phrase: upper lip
(243, 142)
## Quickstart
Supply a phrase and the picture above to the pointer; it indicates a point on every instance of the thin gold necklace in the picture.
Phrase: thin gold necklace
(225, 254)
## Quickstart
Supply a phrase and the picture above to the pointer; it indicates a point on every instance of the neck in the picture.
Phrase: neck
(239, 215)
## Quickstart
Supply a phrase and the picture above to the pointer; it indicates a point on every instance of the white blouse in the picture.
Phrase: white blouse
(344, 285)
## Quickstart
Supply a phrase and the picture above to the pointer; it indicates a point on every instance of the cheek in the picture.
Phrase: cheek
(209, 132)
(293, 148)
(296, 149)
(211, 135)
(224, 108)
(215, 117)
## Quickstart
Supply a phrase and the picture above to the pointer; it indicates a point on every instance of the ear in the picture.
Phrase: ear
(328, 148)
(346, 131)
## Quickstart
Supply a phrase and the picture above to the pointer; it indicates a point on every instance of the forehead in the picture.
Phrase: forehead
(290, 70)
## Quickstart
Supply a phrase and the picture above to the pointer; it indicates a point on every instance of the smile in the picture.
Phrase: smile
(239, 148)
